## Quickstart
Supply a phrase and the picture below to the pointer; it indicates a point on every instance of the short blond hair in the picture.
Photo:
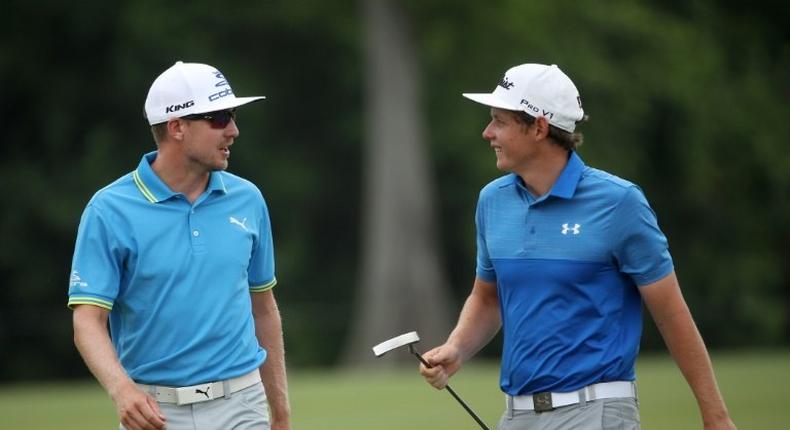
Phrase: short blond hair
(159, 131)
(567, 140)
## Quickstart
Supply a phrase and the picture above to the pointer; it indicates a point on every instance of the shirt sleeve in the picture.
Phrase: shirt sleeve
(261, 270)
(641, 249)
(484, 269)
(96, 264)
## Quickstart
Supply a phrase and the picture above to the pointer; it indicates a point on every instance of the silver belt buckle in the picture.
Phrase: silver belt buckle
(542, 402)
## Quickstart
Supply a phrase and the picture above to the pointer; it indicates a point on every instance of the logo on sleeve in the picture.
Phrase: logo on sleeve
(76, 281)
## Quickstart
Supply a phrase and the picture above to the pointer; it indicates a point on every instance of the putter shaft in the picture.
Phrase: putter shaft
(450, 390)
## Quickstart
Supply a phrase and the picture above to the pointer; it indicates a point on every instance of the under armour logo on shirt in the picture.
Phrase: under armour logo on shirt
(239, 223)
(575, 229)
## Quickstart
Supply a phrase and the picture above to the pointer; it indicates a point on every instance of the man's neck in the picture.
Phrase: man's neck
(541, 174)
(179, 177)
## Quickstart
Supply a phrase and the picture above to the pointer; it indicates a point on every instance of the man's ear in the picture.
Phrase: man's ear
(175, 128)
(541, 127)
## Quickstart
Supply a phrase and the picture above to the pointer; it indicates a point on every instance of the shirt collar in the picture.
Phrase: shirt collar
(566, 183)
(155, 190)
(569, 178)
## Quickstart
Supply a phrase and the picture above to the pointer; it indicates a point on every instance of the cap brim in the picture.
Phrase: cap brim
(223, 104)
(490, 99)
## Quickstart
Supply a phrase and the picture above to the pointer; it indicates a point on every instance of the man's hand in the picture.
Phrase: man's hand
(446, 360)
(137, 410)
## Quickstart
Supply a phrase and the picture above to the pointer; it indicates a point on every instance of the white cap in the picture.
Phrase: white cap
(539, 90)
(189, 88)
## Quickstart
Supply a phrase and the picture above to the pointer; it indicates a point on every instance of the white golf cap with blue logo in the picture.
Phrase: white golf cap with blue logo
(190, 88)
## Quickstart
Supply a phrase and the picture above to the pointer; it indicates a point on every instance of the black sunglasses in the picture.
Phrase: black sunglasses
(217, 119)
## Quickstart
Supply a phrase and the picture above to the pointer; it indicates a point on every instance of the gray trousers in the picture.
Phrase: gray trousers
(245, 409)
(603, 414)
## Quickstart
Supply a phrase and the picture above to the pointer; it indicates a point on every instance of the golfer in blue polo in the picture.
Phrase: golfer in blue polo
(177, 257)
(566, 254)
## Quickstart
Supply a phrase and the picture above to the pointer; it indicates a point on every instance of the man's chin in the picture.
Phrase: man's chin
(503, 166)
(220, 168)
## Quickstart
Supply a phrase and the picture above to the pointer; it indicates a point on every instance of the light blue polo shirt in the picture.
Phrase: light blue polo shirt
(176, 276)
(567, 266)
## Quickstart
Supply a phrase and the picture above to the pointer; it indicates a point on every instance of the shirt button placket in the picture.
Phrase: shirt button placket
(196, 233)
(528, 228)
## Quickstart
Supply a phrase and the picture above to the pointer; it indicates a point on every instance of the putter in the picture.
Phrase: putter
(410, 339)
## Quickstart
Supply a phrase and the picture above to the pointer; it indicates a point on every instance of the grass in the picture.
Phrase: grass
(755, 384)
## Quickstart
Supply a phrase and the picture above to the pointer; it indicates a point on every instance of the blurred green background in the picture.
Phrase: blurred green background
(686, 98)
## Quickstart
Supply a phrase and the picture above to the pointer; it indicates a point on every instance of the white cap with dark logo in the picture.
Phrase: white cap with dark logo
(190, 88)
(539, 90)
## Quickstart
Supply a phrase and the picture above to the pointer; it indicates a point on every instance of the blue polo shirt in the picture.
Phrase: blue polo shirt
(176, 276)
(567, 267)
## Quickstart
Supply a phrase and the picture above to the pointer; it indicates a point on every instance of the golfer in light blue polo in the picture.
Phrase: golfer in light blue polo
(566, 254)
(177, 255)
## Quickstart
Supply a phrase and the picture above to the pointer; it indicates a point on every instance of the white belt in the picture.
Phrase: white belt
(548, 401)
(201, 392)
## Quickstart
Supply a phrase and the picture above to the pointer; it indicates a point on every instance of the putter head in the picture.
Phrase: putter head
(395, 343)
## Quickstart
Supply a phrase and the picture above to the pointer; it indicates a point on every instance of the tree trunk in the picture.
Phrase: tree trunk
(401, 284)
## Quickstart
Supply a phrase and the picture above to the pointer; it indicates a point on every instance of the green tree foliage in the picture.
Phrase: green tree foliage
(75, 83)
(686, 99)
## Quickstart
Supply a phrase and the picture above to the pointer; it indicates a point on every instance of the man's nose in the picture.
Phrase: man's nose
(487, 133)
(232, 129)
